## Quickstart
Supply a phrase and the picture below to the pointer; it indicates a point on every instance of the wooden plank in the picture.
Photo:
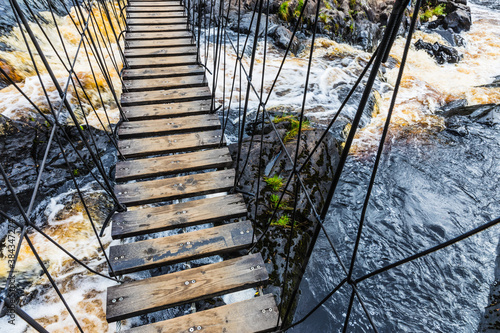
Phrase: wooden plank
(169, 144)
(166, 96)
(154, 3)
(155, 219)
(132, 44)
(175, 188)
(158, 28)
(158, 111)
(249, 316)
(143, 36)
(151, 253)
(162, 72)
(146, 128)
(160, 292)
(135, 15)
(165, 83)
(160, 52)
(167, 165)
(156, 21)
(167, 7)
(152, 62)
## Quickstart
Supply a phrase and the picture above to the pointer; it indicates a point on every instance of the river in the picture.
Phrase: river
(434, 182)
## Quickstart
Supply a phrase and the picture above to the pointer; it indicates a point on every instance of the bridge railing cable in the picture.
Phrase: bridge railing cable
(242, 87)
(95, 23)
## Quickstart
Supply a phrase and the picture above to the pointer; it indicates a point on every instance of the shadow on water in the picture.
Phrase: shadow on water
(425, 193)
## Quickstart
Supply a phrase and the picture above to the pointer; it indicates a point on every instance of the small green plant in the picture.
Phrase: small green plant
(283, 221)
(283, 11)
(439, 10)
(76, 172)
(352, 4)
(323, 17)
(294, 126)
(275, 182)
(274, 199)
(299, 7)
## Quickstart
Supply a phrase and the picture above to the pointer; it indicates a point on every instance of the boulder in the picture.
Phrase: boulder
(281, 37)
(442, 53)
(22, 147)
(247, 25)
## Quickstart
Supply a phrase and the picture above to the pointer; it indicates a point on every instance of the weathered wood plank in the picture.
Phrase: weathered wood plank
(146, 128)
(160, 52)
(152, 62)
(175, 188)
(170, 144)
(133, 44)
(162, 72)
(166, 96)
(241, 317)
(154, 3)
(167, 7)
(156, 21)
(151, 253)
(167, 165)
(160, 292)
(165, 83)
(155, 219)
(143, 36)
(158, 28)
(158, 111)
(152, 14)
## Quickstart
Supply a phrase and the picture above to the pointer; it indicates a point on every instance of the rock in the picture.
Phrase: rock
(316, 176)
(457, 18)
(487, 114)
(247, 25)
(442, 53)
(22, 146)
(494, 84)
(281, 37)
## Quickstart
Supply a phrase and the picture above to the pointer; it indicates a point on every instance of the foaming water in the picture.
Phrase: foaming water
(17, 62)
(432, 185)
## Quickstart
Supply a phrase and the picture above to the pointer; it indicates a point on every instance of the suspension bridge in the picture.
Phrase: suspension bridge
(174, 170)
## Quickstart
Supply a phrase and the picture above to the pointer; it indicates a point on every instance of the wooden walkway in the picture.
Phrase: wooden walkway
(175, 155)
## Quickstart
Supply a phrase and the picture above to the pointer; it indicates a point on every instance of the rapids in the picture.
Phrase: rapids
(432, 185)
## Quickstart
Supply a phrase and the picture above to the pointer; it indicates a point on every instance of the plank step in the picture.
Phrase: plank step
(249, 316)
(165, 83)
(159, 111)
(152, 62)
(160, 52)
(172, 14)
(175, 188)
(166, 96)
(170, 144)
(185, 41)
(151, 253)
(155, 219)
(172, 164)
(161, 292)
(154, 7)
(180, 26)
(148, 36)
(146, 128)
(162, 72)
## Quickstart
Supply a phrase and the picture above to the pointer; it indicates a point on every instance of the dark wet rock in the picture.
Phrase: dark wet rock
(494, 84)
(457, 18)
(487, 114)
(282, 36)
(316, 176)
(450, 36)
(22, 147)
(442, 53)
(247, 25)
